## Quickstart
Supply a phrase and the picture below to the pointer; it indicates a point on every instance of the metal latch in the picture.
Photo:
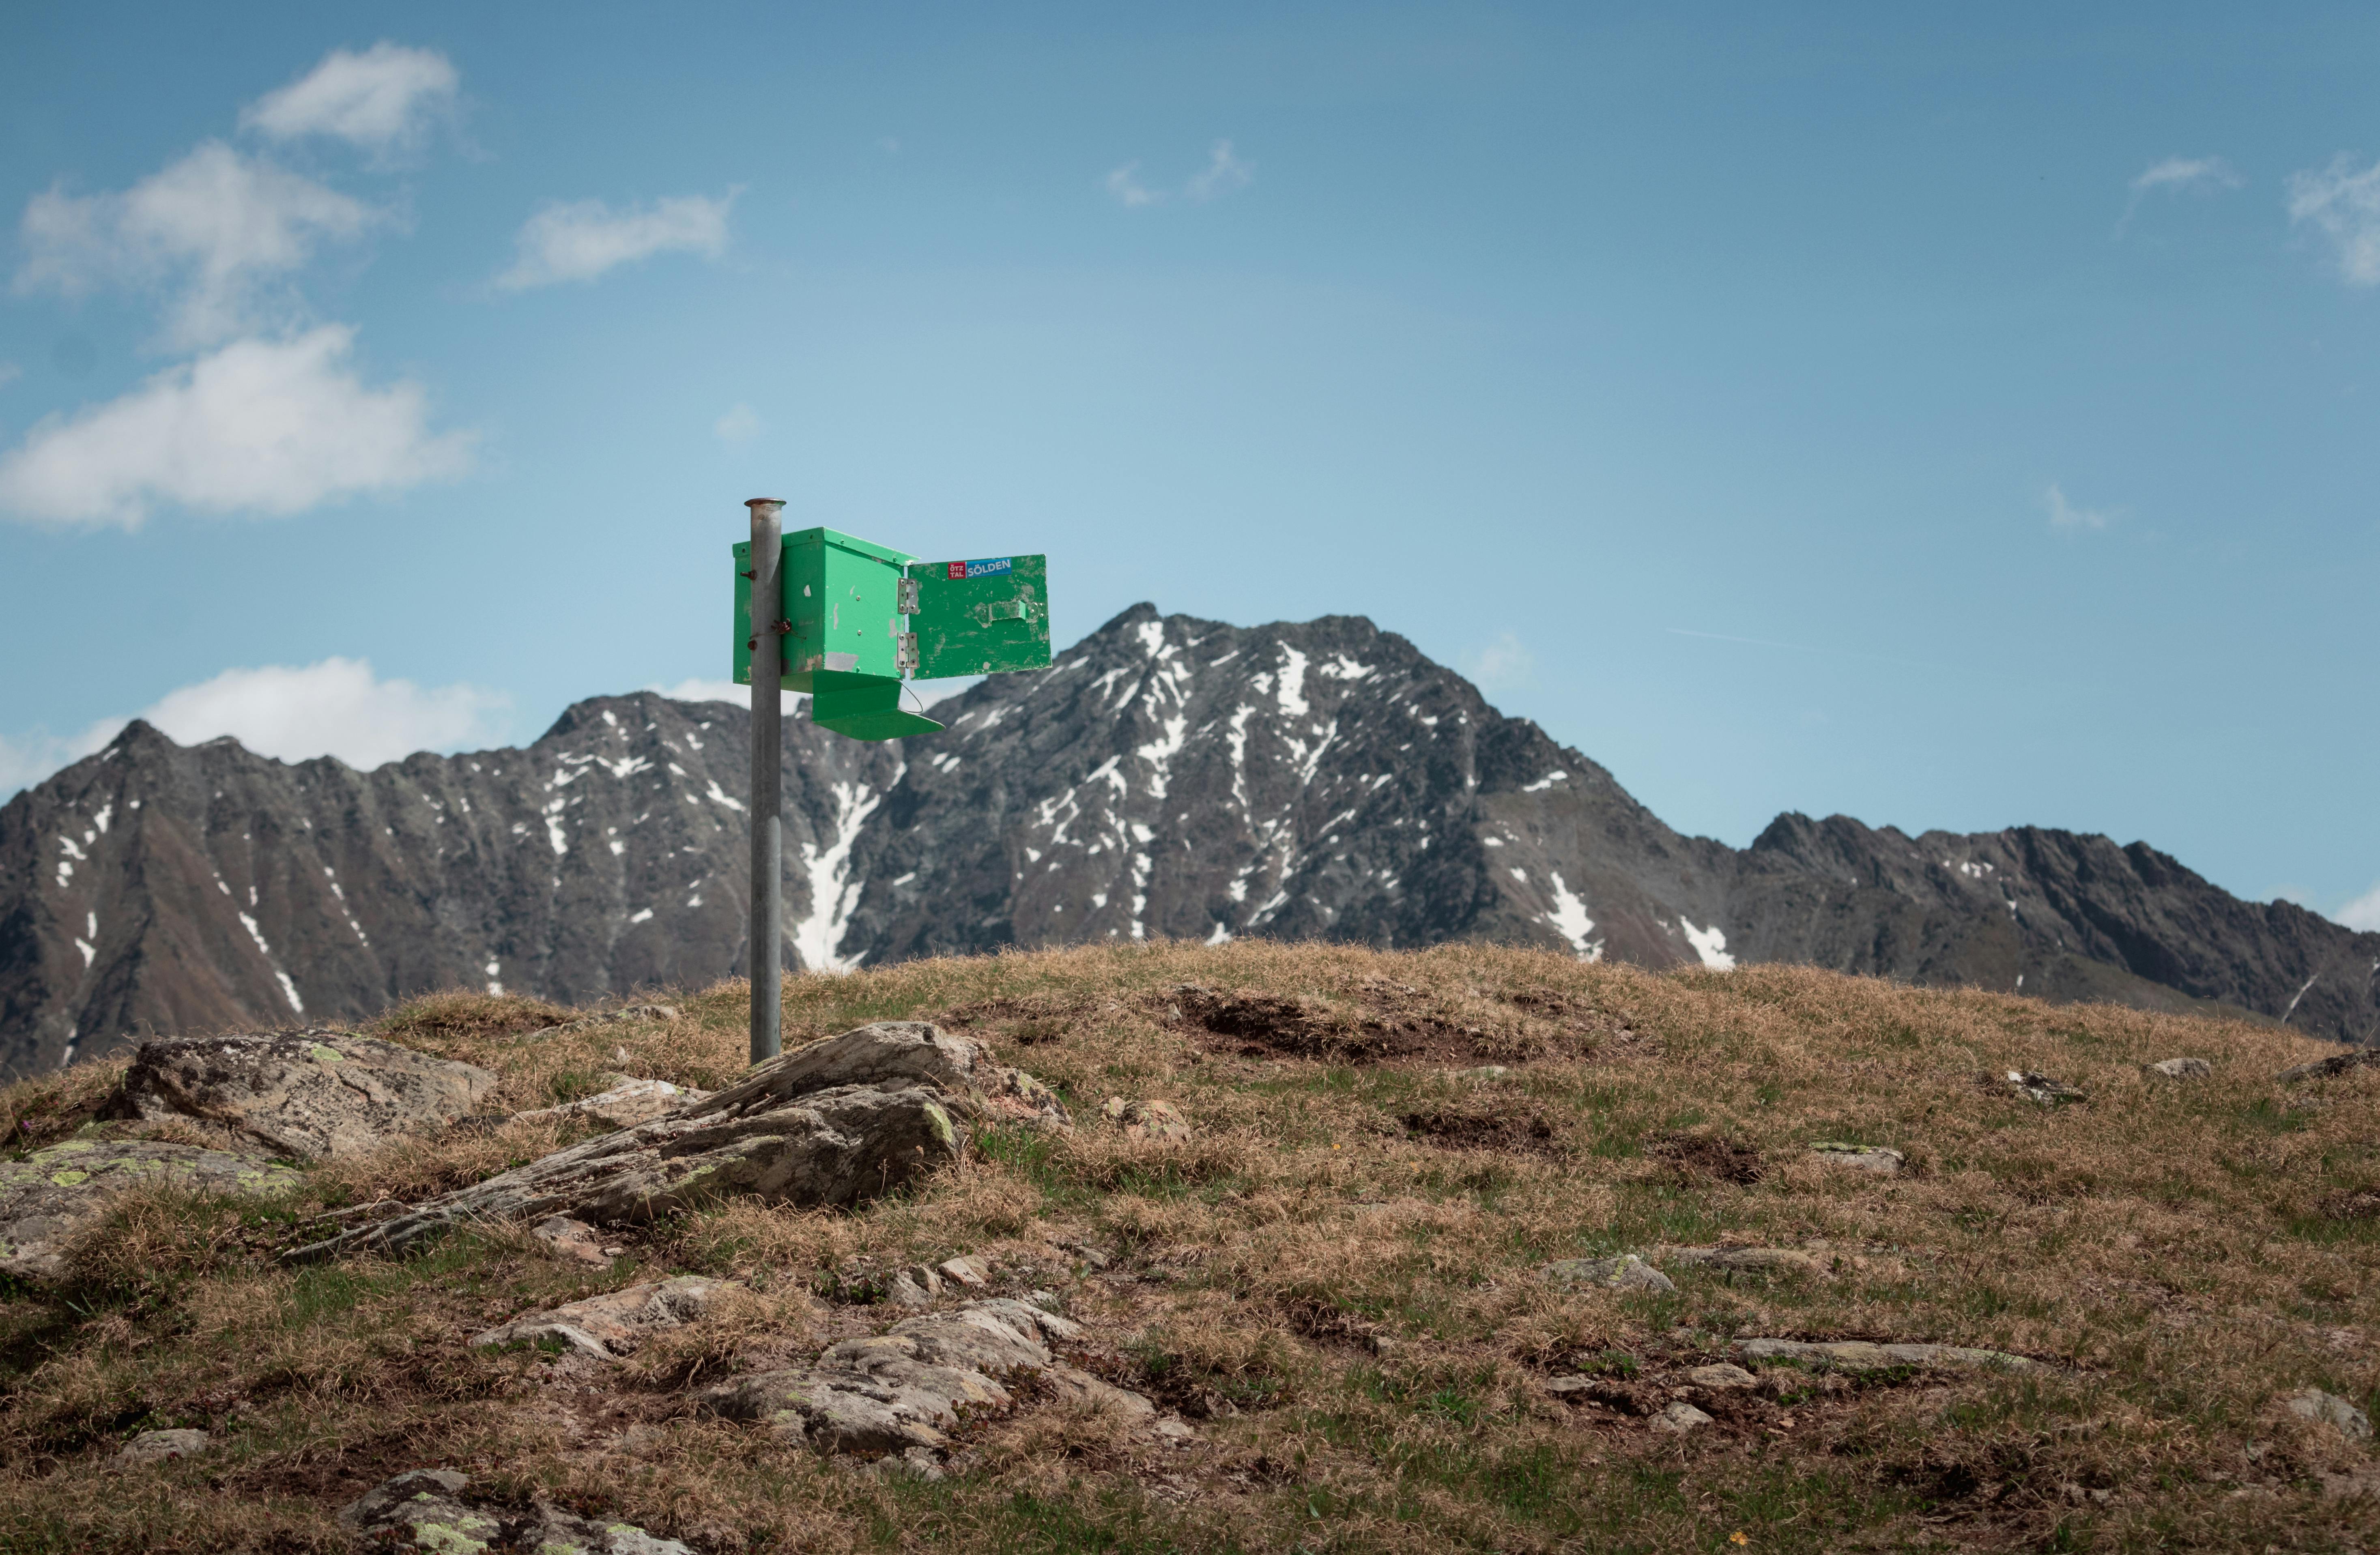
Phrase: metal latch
(904, 595)
(1018, 609)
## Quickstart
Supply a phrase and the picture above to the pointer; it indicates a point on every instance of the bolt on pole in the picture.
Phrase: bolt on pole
(768, 756)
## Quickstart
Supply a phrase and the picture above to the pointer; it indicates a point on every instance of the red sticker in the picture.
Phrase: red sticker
(958, 571)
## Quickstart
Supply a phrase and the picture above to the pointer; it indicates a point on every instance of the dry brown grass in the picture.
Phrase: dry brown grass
(1334, 1280)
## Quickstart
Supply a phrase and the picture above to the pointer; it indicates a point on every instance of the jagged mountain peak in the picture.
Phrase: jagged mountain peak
(1168, 776)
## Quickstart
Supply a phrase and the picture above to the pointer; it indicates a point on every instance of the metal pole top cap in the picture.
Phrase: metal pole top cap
(763, 502)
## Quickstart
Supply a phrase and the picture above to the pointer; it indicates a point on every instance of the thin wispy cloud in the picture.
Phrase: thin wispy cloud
(257, 426)
(2067, 514)
(215, 231)
(741, 424)
(1224, 173)
(380, 99)
(2179, 175)
(1505, 664)
(2364, 912)
(582, 239)
(2343, 206)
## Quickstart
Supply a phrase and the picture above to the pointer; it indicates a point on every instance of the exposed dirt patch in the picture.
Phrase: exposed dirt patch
(1708, 1158)
(1477, 1129)
(2361, 1205)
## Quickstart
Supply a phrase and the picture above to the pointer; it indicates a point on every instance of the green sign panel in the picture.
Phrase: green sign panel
(861, 618)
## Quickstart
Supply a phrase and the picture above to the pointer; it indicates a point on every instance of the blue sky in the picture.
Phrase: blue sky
(1953, 419)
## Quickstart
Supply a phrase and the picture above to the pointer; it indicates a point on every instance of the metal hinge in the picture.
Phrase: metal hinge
(904, 595)
(905, 651)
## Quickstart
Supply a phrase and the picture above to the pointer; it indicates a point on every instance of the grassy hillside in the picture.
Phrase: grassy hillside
(1335, 1281)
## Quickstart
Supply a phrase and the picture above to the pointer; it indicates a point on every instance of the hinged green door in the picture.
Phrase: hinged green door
(982, 616)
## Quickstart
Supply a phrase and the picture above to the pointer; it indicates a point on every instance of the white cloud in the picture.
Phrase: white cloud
(1222, 173)
(1124, 184)
(2188, 173)
(337, 708)
(580, 241)
(260, 426)
(2364, 912)
(1505, 664)
(216, 226)
(2344, 205)
(2064, 514)
(378, 99)
(741, 424)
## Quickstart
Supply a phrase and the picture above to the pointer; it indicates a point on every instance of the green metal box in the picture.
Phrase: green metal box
(842, 594)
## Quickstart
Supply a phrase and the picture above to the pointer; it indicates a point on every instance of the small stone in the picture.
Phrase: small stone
(422, 1508)
(1678, 1419)
(1625, 1272)
(2329, 1409)
(1860, 1158)
(2043, 1090)
(1072, 1384)
(904, 1290)
(1487, 1073)
(2180, 1068)
(607, 1327)
(1176, 1432)
(1148, 1120)
(966, 1273)
(566, 1238)
(155, 1447)
(1720, 1375)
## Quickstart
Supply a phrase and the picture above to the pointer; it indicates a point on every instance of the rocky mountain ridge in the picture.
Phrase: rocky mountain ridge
(1167, 777)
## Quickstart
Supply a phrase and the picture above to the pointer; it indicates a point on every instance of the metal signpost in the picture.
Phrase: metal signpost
(848, 620)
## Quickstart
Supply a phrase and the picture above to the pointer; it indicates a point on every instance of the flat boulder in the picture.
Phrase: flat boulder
(2332, 1067)
(2179, 1069)
(53, 1195)
(2329, 1409)
(150, 1448)
(316, 1095)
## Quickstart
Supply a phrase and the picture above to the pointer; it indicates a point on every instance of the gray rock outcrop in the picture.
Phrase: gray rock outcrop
(835, 1122)
(53, 1195)
(317, 1094)
(2179, 1069)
